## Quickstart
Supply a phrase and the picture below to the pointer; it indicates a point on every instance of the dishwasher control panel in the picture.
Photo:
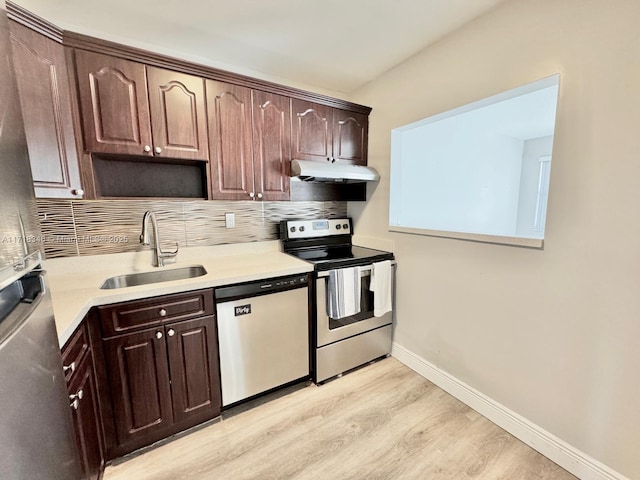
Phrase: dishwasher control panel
(261, 287)
(287, 282)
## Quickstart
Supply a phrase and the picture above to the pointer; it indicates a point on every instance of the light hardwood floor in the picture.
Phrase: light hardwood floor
(381, 422)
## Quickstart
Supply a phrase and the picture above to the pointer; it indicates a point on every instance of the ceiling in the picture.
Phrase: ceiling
(327, 45)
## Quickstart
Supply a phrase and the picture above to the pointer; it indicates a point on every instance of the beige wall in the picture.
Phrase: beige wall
(555, 334)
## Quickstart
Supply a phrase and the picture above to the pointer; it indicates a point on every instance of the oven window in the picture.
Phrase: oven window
(366, 306)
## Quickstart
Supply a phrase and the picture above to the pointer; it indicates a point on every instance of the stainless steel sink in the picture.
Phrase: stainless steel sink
(145, 278)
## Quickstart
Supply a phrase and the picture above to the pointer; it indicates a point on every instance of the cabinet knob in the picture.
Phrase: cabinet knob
(171, 332)
(69, 368)
(259, 195)
(158, 150)
(158, 335)
(251, 194)
(162, 312)
(78, 192)
(75, 404)
(76, 396)
(147, 148)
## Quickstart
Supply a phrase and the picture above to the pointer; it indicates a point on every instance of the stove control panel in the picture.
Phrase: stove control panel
(316, 228)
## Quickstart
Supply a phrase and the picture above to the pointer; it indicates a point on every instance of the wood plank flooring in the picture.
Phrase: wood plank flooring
(381, 422)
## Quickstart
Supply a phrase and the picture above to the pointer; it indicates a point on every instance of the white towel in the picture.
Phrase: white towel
(381, 287)
(343, 298)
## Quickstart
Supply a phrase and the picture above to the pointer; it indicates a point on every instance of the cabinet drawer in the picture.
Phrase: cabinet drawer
(125, 317)
(74, 351)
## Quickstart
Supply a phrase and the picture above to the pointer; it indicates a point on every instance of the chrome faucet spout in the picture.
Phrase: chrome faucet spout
(159, 255)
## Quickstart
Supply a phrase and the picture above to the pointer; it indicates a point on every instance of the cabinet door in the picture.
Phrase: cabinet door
(113, 104)
(86, 419)
(178, 115)
(312, 131)
(271, 145)
(230, 149)
(350, 134)
(45, 98)
(195, 373)
(139, 380)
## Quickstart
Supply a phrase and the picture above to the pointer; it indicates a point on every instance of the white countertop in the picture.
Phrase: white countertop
(75, 282)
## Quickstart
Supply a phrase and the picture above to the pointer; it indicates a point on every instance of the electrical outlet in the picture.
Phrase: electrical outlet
(230, 220)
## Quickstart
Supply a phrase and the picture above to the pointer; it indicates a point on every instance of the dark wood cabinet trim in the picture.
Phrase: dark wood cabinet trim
(34, 22)
(85, 42)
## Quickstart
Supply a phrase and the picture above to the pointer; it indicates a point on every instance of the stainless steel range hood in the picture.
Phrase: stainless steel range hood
(311, 171)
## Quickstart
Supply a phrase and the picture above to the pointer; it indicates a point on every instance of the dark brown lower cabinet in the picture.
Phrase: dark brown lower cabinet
(139, 380)
(77, 360)
(86, 419)
(193, 365)
(162, 380)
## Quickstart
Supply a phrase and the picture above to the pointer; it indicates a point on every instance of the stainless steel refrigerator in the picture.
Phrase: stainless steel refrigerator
(36, 433)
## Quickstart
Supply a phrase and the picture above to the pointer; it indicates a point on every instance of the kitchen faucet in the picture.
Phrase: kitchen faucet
(158, 255)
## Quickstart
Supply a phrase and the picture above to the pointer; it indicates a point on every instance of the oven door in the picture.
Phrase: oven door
(330, 330)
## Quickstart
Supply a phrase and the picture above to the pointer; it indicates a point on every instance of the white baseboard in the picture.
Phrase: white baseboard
(568, 457)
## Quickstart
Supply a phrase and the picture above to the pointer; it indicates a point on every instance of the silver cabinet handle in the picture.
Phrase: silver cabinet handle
(158, 335)
(71, 367)
(251, 195)
(75, 404)
(147, 148)
(158, 150)
(171, 332)
(78, 192)
(76, 396)
(162, 312)
(259, 195)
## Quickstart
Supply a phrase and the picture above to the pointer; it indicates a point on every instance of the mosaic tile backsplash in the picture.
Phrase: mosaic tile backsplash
(93, 227)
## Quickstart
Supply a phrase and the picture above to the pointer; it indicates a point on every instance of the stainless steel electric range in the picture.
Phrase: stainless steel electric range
(340, 344)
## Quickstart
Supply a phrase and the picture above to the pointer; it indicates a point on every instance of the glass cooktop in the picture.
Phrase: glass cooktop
(330, 257)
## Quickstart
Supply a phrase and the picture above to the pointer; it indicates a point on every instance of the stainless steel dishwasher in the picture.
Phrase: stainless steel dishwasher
(263, 332)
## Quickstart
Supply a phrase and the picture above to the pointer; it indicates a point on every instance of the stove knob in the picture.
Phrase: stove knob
(302, 229)
(292, 229)
(345, 226)
(338, 227)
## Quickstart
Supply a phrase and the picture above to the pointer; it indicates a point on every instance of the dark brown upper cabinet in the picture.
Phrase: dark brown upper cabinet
(312, 131)
(178, 114)
(350, 136)
(324, 133)
(271, 145)
(250, 143)
(230, 144)
(130, 109)
(45, 98)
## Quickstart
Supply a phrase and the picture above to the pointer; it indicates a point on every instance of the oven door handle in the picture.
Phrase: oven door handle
(364, 270)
